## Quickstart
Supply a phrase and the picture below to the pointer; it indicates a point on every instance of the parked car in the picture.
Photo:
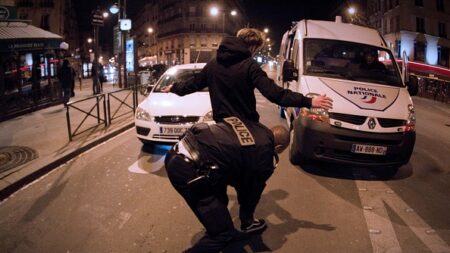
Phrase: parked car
(164, 117)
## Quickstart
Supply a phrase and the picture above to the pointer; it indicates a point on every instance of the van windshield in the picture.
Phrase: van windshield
(351, 61)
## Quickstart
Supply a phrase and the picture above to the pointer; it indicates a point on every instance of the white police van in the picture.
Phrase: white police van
(372, 122)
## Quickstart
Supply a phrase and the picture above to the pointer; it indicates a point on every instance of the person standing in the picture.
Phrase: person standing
(210, 157)
(233, 76)
(95, 78)
(36, 80)
(65, 76)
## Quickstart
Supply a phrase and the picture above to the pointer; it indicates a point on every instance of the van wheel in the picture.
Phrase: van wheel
(294, 155)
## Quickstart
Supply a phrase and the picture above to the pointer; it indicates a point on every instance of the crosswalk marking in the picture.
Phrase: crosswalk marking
(374, 196)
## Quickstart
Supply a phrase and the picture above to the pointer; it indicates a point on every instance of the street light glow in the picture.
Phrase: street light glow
(214, 11)
(89, 40)
(233, 13)
(105, 14)
(114, 9)
(266, 30)
(150, 30)
(351, 10)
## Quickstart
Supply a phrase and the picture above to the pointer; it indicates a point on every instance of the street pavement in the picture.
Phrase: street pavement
(95, 204)
(35, 143)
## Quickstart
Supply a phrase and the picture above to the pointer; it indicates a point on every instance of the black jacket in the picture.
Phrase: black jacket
(218, 143)
(231, 78)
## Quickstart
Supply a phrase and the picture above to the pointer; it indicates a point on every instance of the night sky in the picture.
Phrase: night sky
(277, 15)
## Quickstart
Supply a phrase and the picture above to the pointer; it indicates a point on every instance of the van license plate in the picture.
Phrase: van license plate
(369, 149)
(172, 130)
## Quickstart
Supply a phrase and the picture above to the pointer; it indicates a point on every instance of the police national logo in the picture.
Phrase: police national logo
(242, 133)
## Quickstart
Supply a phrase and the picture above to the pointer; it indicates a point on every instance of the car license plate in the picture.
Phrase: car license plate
(369, 149)
(172, 130)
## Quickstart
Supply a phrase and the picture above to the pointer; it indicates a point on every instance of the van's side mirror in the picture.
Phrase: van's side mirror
(290, 73)
(413, 85)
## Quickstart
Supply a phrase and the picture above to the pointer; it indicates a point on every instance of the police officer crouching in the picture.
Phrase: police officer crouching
(210, 157)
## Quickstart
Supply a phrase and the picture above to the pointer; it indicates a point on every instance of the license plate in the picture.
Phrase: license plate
(172, 130)
(369, 149)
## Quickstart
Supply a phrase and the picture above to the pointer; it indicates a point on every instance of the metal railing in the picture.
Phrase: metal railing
(118, 112)
(114, 107)
(75, 105)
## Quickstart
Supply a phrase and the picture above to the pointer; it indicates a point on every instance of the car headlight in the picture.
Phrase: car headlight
(141, 114)
(411, 121)
(208, 117)
(316, 114)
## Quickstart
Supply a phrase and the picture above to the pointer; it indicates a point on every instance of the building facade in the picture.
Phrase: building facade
(56, 16)
(175, 32)
(419, 28)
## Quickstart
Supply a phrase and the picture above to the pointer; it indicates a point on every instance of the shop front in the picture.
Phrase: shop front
(29, 61)
(433, 81)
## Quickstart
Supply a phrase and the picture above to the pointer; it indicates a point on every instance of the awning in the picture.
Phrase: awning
(429, 71)
(20, 36)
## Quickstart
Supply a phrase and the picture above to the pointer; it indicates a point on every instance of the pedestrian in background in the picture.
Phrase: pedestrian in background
(95, 78)
(208, 159)
(66, 76)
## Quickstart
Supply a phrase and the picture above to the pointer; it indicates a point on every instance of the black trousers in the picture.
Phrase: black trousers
(249, 190)
(209, 204)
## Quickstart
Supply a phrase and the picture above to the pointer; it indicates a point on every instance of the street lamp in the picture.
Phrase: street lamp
(89, 40)
(351, 11)
(150, 43)
(266, 30)
(114, 9)
(120, 9)
(105, 14)
(214, 11)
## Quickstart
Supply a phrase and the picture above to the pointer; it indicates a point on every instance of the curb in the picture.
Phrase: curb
(15, 186)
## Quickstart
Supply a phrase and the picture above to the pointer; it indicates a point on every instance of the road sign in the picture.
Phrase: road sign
(97, 18)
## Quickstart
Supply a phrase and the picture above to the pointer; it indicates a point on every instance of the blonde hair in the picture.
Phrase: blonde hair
(251, 37)
(281, 136)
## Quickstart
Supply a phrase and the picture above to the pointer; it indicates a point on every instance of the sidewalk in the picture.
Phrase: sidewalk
(33, 144)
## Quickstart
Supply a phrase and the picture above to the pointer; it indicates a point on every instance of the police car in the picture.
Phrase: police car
(372, 122)
(164, 117)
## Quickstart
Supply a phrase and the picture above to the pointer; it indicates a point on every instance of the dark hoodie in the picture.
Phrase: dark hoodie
(231, 78)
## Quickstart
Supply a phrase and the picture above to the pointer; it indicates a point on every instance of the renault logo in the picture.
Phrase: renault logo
(371, 123)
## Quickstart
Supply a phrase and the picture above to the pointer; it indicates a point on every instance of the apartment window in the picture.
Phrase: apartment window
(442, 30)
(47, 3)
(419, 51)
(45, 24)
(443, 54)
(420, 25)
(440, 5)
(192, 27)
(397, 23)
(398, 46)
(23, 16)
(391, 25)
(191, 11)
(203, 27)
(419, 3)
